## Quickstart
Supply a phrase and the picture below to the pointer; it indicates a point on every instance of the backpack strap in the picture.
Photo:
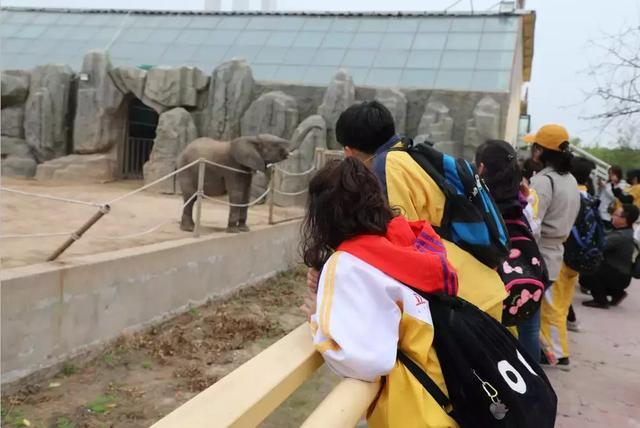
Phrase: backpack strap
(427, 383)
(553, 186)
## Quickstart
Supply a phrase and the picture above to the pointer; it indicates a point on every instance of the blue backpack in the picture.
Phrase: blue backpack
(584, 249)
(470, 219)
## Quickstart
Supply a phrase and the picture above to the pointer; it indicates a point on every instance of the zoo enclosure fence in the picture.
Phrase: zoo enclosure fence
(277, 175)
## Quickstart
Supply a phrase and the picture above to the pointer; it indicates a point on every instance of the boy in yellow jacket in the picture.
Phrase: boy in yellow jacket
(367, 131)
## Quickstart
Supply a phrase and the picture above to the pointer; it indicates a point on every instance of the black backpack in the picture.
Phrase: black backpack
(524, 274)
(491, 380)
(635, 267)
(470, 219)
(584, 248)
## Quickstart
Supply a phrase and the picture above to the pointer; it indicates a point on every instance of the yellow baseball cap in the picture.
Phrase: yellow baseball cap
(549, 136)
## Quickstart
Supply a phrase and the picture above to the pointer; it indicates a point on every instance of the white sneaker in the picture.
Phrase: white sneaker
(574, 326)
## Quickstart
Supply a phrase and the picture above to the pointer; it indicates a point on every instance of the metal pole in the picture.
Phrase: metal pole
(200, 194)
(78, 233)
(272, 194)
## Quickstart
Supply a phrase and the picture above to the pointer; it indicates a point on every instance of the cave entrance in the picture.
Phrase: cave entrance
(141, 131)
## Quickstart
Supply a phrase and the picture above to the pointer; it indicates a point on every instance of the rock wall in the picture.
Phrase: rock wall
(46, 123)
(339, 96)
(308, 136)
(166, 88)
(224, 106)
(14, 87)
(100, 119)
(274, 113)
(436, 126)
(396, 102)
(230, 94)
(175, 130)
(482, 126)
(18, 159)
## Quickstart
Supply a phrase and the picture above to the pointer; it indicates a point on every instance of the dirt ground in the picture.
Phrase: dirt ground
(602, 387)
(145, 376)
(21, 215)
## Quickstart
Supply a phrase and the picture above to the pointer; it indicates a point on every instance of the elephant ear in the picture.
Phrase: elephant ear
(244, 151)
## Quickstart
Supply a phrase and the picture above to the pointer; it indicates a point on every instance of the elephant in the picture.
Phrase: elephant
(249, 154)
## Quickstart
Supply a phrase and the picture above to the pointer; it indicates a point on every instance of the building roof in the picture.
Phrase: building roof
(455, 51)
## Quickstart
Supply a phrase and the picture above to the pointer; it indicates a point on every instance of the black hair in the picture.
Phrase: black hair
(501, 173)
(631, 213)
(345, 200)
(631, 174)
(365, 126)
(616, 170)
(581, 169)
(531, 167)
(558, 160)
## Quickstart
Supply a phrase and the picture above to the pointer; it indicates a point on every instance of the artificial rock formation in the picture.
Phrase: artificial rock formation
(339, 95)
(436, 122)
(175, 130)
(96, 168)
(14, 87)
(100, 112)
(484, 125)
(274, 113)
(396, 102)
(46, 109)
(173, 87)
(129, 80)
(230, 93)
(308, 136)
(436, 126)
(13, 121)
(17, 159)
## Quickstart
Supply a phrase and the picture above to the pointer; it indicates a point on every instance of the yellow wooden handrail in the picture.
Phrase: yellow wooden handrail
(250, 393)
(246, 396)
(344, 406)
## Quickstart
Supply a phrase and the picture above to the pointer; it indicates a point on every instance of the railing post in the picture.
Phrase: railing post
(78, 233)
(272, 193)
(319, 158)
(199, 197)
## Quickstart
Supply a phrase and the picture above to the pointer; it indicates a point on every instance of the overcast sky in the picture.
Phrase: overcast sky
(563, 52)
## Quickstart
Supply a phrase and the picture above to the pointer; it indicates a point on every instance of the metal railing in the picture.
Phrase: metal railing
(136, 152)
(602, 168)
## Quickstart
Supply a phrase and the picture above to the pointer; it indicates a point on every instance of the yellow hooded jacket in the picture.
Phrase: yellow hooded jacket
(410, 189)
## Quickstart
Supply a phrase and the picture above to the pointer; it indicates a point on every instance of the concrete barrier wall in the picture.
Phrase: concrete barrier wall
(51, 312)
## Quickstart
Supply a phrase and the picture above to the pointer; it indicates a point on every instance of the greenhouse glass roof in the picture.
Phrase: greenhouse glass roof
(435, 51)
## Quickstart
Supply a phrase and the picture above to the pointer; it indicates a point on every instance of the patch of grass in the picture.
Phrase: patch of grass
(14, 418)
(63, 422)
(68, 369)
(102, 404)
(110, 359)
(147, 365)
(194, 312)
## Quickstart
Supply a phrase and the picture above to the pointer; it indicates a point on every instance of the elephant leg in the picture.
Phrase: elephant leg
(236, 192)
(246, 195)
(186, 223)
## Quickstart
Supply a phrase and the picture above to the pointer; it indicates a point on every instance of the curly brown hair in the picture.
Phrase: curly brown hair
(345, 200)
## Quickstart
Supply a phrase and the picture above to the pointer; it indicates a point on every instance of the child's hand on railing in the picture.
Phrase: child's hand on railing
(312, 280)
(310, 300)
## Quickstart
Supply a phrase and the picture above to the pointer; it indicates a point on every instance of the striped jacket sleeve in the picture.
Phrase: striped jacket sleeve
(356, 324)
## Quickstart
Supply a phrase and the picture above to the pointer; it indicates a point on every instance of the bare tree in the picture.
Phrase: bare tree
(617, 77)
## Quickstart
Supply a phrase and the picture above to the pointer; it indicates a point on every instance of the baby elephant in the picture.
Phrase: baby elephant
(248, 154)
